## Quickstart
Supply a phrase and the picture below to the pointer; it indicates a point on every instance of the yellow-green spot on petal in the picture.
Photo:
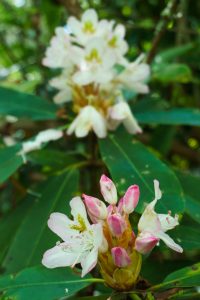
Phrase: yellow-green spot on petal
(94, 55)
(81, 226)
(88, 27)
(113, 42)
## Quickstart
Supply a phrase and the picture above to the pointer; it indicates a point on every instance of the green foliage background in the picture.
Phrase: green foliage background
(169, 148)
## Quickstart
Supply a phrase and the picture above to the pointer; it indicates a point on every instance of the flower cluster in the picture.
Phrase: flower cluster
(110, 240)
(91, 54)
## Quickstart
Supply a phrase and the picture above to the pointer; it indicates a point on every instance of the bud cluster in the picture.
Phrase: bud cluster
(110, 241)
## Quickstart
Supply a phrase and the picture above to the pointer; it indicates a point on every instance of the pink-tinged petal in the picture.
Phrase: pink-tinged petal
(95, 207)
(167, 221)
(108, 190)
(89, 262)
(116, 224)
(145, 242)
(170, 242)
(120, 257)
(59, 256)
(120, 206)
(131, 198)
(60, 225)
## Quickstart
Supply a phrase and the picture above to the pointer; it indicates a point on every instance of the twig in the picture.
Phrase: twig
(161, 28)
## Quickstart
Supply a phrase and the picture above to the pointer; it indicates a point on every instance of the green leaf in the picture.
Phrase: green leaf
(10, 223)
(130, 162)
(175, 116)
(186, 277)
(24, 105)
(33, 237)
(187, 237)
(40, 283)
(191, 188)
(174, 72)
(9, 161)
(54, 159)
(172, 53)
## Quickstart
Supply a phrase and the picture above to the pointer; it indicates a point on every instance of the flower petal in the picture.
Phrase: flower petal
(89, 262)
(59, 257)
(169, 242)
(60, 225)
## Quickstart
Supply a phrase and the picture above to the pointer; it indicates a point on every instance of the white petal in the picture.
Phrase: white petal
(91, 16)
(132, 125)
(59, 257)
(169, 242)
(99, 124)
(167, 221)
(89, 262)
(158, 193)
(48, 135)
(78, 209)
(60, 224)
(149, 220)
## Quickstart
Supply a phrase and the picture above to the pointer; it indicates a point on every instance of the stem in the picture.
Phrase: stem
(161, 28)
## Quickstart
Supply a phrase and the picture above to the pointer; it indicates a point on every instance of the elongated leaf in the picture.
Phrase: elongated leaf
(175, 116)
(186, 277)
(172, 53)
(33, 237)
(10, 223)
(191, 187)
(187, 237)
(9, 161)
(173, 72)
(40, 283)
(129, 162)
(24, 105)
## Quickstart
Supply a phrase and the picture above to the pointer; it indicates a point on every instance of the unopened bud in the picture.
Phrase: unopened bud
(116, 224)
(96, 208)
(120, 257)
(131, 198)
(108, 189)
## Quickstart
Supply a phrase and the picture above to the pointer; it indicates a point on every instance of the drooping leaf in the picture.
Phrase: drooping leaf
(40, 283)
(175, 116)
(130, 162)
(9, 161)
(24, 105)
(33, 237)
(186, 277)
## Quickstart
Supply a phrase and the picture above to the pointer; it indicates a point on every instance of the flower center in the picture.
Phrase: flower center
(88, 27)
(94, 56)
(81, 226)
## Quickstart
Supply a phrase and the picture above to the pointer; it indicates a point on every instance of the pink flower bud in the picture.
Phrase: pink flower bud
(96, 209)
(145, 242)
(108, 190)
(116, 224)
(130, 199)
(120, 257)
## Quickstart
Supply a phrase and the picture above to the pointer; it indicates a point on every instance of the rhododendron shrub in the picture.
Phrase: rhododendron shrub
(94, 203)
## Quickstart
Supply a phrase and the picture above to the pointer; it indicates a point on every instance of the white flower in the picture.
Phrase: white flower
(121, 113)
(95, 64)
(81, 241)
(116, 42)
(60, 52)
(88, 118)
(42, 137)
(62, 83)
(152, 227)
(88, 27)
(134, 76)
